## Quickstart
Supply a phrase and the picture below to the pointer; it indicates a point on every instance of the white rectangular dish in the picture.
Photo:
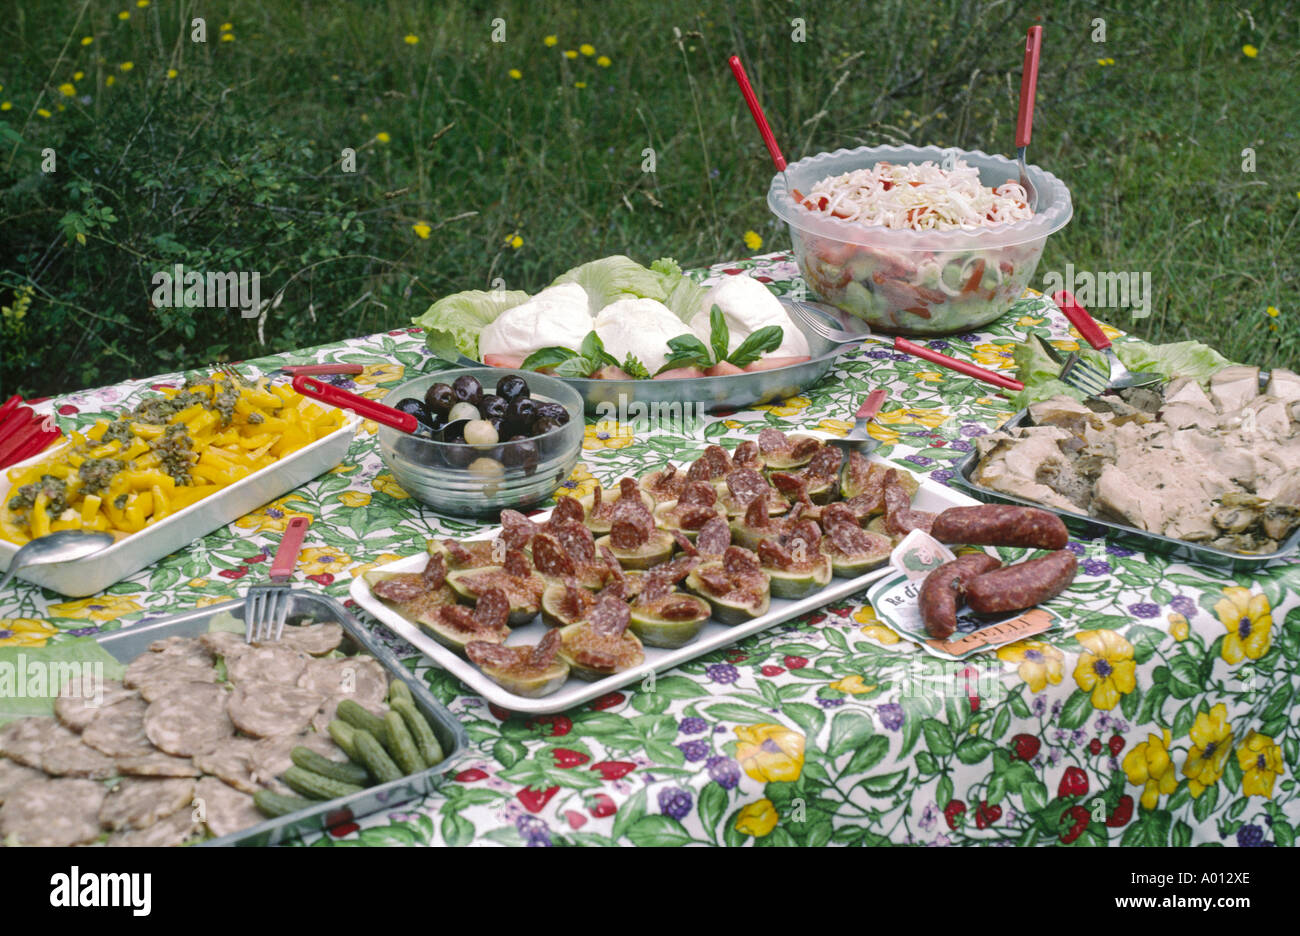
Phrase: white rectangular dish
(932, 496)
(132, 553)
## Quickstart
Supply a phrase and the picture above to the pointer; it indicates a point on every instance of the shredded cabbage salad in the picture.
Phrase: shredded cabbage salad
(921, 196)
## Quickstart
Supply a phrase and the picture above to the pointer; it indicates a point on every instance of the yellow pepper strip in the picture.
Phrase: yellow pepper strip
(96, 432)
(76, 460)
(147, 430)
(40, 518)
(160, 505)
(72, 523)
(143, 480)
(89, 508)
(137, 448)
(105, 450)
(13, 533)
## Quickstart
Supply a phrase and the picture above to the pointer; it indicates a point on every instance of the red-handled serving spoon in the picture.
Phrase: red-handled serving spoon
(756, 109)
(1025, 118)
(328, 393)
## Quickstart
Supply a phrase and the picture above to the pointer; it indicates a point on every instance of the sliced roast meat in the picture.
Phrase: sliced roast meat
(191, 719)
(265, 710)
(139, 802)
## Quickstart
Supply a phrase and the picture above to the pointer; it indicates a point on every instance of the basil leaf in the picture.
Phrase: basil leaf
(719, 334)
(761, 341)
(547, 357)
(633, 367)
(576, 366)
(687, 351)
(593, 349)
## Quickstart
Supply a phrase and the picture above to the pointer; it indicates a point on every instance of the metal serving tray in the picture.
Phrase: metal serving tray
(130, 642)
(1090, 526)
(932, 496)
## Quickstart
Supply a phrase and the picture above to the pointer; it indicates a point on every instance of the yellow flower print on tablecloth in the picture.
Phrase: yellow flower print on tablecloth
(1061, 344)
(1212, 743)
(205, 600)
(1148, 765)
(878, 632)
(99, 608)
(996, 356)
(379, 374)
(837, 427)
(25, 632)
(1178, 628)
(579, 483)
(929, 417)
(1249, 621)
(853, 685)
(757, 819)
(316, 560)
(1107, 669)
(1261, 764)
(607, 434)
(790, 406)
(274, 517)
(1108, 330)
(733, 424)
(383, 559)
(385, 483)
(928, 376)
(1036, 662)
(1029, 321)
(770, 752)
(354, 498)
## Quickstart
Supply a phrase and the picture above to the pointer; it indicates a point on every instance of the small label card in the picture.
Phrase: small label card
(919, 554)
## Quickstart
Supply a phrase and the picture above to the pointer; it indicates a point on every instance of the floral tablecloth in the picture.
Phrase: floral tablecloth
(1160, 714)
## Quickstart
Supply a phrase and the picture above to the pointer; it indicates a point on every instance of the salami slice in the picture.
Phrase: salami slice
(745, 485)
(715, 579)
(549, 556)
(320, 639)
(567, 509)
(516, 529)
(14, 775)
(837, 514)
(790, 485)
(434, 574)
(139, 802)
(52, 813)
(628, 489)
(267, 664)
(610, 617)
(675, 570)
(75, 758)
(806, 532)
(739, 562)
(802, 447)
(624, 534)
(746, 455)
(576, 540)
(678, 609)
(482, 653)
(459, 554)
(684, 543)
(851, 540)
(118, 729)
(613, 565)
(192, 719)
(516, 564)
(772, 440)
(756, 514)
(401, 588)
(360, 678)
(492, 610)
(259, 709)
(692, 517)
(774, 555)
(713, 464)
(666, 483)
(232, 761)
(547, 649)
(80, 700)
(156, 764)
(699, 493)
(653, 588)
(173, 831)
(900, 518)
(225, 810)
(714, 537)
(825, 463)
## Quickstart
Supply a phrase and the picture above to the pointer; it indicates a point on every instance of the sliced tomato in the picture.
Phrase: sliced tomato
(610, 372)
(773, 363)
(504, 360)
(724, 369)
(976, 274)
(677, 373)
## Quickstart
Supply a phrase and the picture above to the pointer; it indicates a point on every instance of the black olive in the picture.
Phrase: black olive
(520, 414)
(438, 399)
(415, 408)
(498, 424)
(555, 411)
(459, 456)
(511, 386)
(544, 425)
(492, 406)
(520, 452)
(467, 389)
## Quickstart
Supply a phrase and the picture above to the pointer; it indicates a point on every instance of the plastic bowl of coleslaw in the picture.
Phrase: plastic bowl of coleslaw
(917, 282)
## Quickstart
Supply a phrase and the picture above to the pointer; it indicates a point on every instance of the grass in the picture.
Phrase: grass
(235, 162)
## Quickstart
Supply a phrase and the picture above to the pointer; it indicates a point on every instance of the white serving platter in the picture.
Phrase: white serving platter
(932, 496)
(130, 554)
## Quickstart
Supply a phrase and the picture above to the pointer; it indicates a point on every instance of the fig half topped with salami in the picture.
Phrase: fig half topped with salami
(741, 487)
(416, 596)
(566, 551)
(473, 554)
(455, 626)
(664, 617)
(711, 466)
(853, 551)
(665, 484)
(531, 672)
(627, 499)
(795, 563)
(735, 586)
(784, 453)
(521, 585)
(900, 518)
(601, 645)
(820, 476)
(697, 505)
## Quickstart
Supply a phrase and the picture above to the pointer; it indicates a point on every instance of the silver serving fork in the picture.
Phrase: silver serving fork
(1119, 376)
(266, 604)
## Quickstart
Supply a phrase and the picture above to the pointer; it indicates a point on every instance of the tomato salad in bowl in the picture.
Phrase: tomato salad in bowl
(917, 240)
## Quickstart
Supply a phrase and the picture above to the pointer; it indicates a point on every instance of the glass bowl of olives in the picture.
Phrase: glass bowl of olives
(489, 438)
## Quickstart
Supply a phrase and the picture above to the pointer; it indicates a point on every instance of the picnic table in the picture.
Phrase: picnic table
(1160, 713)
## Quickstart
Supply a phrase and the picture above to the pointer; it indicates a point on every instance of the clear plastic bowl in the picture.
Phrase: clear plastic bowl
(480, 481)
(917, 282)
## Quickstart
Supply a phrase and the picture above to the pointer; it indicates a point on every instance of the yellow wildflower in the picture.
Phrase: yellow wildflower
(515, 73)
(422, 230)
(6, 105)
(1261, 763)
(142, 3)
(77, 76)
(110, 81)
(227, 37)
(227, 27)
(587, 49)
(604, 61)
(1249, 51)
(1148, 766)
(1212, 743)
(382, 137)
(1107, 669)
(1249, 623)
(124, 15)
(550, 40)
(753, 240)
(25, 632)
(67, 90)
(87, 40)
(580, 84)
(127, 66)
(757, 819)
(570, 54)
(43, 112)
(172, 73)
(515, 241)
(1105, 61)
(1037, 663)
(411, 39)
(769, 752)
(1273, 312)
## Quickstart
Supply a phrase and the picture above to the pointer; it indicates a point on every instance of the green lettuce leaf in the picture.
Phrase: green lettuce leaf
(1179, 359)
(610, 279)
(21, 694)
(452, 323)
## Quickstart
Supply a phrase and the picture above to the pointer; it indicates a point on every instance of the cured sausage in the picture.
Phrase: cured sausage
(1000, 525)
(746, 455)
(746, 484)
(713, 464)
(714, 537)
(567, 508)
(944, 587)
(1022, 585)
(549, 556)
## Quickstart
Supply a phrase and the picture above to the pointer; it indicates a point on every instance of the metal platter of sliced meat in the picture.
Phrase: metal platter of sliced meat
(267, 664)
(139, 802)
(176, 829)
(265, 710)
(118, 729)
(80, 700)
(157, 764)
(359, 678)
(225, 809)
(189, 720)
(232, 761)
(52, 813)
